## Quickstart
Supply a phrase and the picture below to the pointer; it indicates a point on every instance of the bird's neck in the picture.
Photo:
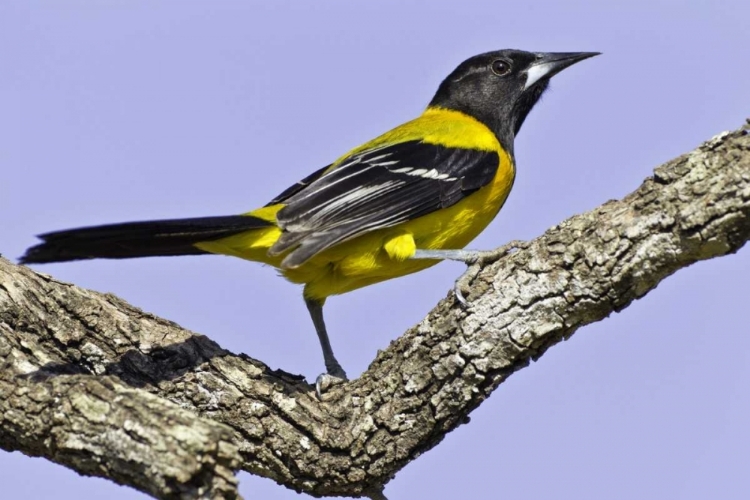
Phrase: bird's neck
(502, 131)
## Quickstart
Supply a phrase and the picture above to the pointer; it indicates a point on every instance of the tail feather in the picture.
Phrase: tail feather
(138, 239)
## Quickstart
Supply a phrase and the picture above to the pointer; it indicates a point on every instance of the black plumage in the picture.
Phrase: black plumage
(379, 188)
(137, 239)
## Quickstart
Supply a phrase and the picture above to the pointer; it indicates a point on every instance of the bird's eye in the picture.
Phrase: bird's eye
(500, 67)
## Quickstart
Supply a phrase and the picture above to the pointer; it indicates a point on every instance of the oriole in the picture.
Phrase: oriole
(393, 206)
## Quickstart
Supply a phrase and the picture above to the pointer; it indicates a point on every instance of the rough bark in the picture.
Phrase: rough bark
(91, 382)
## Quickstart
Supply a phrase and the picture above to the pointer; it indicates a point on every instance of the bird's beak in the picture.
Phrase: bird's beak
(548, 64)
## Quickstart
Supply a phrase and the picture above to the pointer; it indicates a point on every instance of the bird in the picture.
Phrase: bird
(395, 205)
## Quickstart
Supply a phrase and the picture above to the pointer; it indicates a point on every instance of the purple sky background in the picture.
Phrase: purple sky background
(129, 110)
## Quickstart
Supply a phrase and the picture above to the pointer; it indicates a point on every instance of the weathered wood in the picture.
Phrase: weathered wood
(91, 382)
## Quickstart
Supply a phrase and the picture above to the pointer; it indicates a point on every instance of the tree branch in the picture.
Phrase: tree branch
(88, 381)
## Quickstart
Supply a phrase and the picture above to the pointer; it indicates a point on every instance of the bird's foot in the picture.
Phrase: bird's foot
(476, 259)
(325, 381)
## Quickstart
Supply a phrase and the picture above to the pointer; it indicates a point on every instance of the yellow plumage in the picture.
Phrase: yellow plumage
(384, 253)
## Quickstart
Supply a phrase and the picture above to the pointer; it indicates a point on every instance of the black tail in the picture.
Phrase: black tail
(138, 239)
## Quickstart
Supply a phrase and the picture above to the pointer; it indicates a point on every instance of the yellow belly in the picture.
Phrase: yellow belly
(384, 254)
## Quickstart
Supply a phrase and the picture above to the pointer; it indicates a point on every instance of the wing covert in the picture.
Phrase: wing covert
(297, 187)
(377, 188)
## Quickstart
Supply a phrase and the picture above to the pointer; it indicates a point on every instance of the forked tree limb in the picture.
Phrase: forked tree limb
(93, 383)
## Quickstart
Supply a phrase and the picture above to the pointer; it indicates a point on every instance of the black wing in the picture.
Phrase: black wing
(377, 188)
(297, 187)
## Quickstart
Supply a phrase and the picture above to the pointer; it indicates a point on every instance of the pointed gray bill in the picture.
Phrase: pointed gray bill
(548, 64)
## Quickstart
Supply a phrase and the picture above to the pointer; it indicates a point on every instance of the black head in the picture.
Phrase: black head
(500, 88)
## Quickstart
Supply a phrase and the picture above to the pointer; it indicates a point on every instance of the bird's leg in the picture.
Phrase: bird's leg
(470, 257)
(334, 373)
(475, 259)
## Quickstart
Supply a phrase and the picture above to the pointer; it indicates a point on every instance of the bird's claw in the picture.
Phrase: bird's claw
(479, 259)
(326, 381)
(459, 295)
(461, 287)
(488, 256)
